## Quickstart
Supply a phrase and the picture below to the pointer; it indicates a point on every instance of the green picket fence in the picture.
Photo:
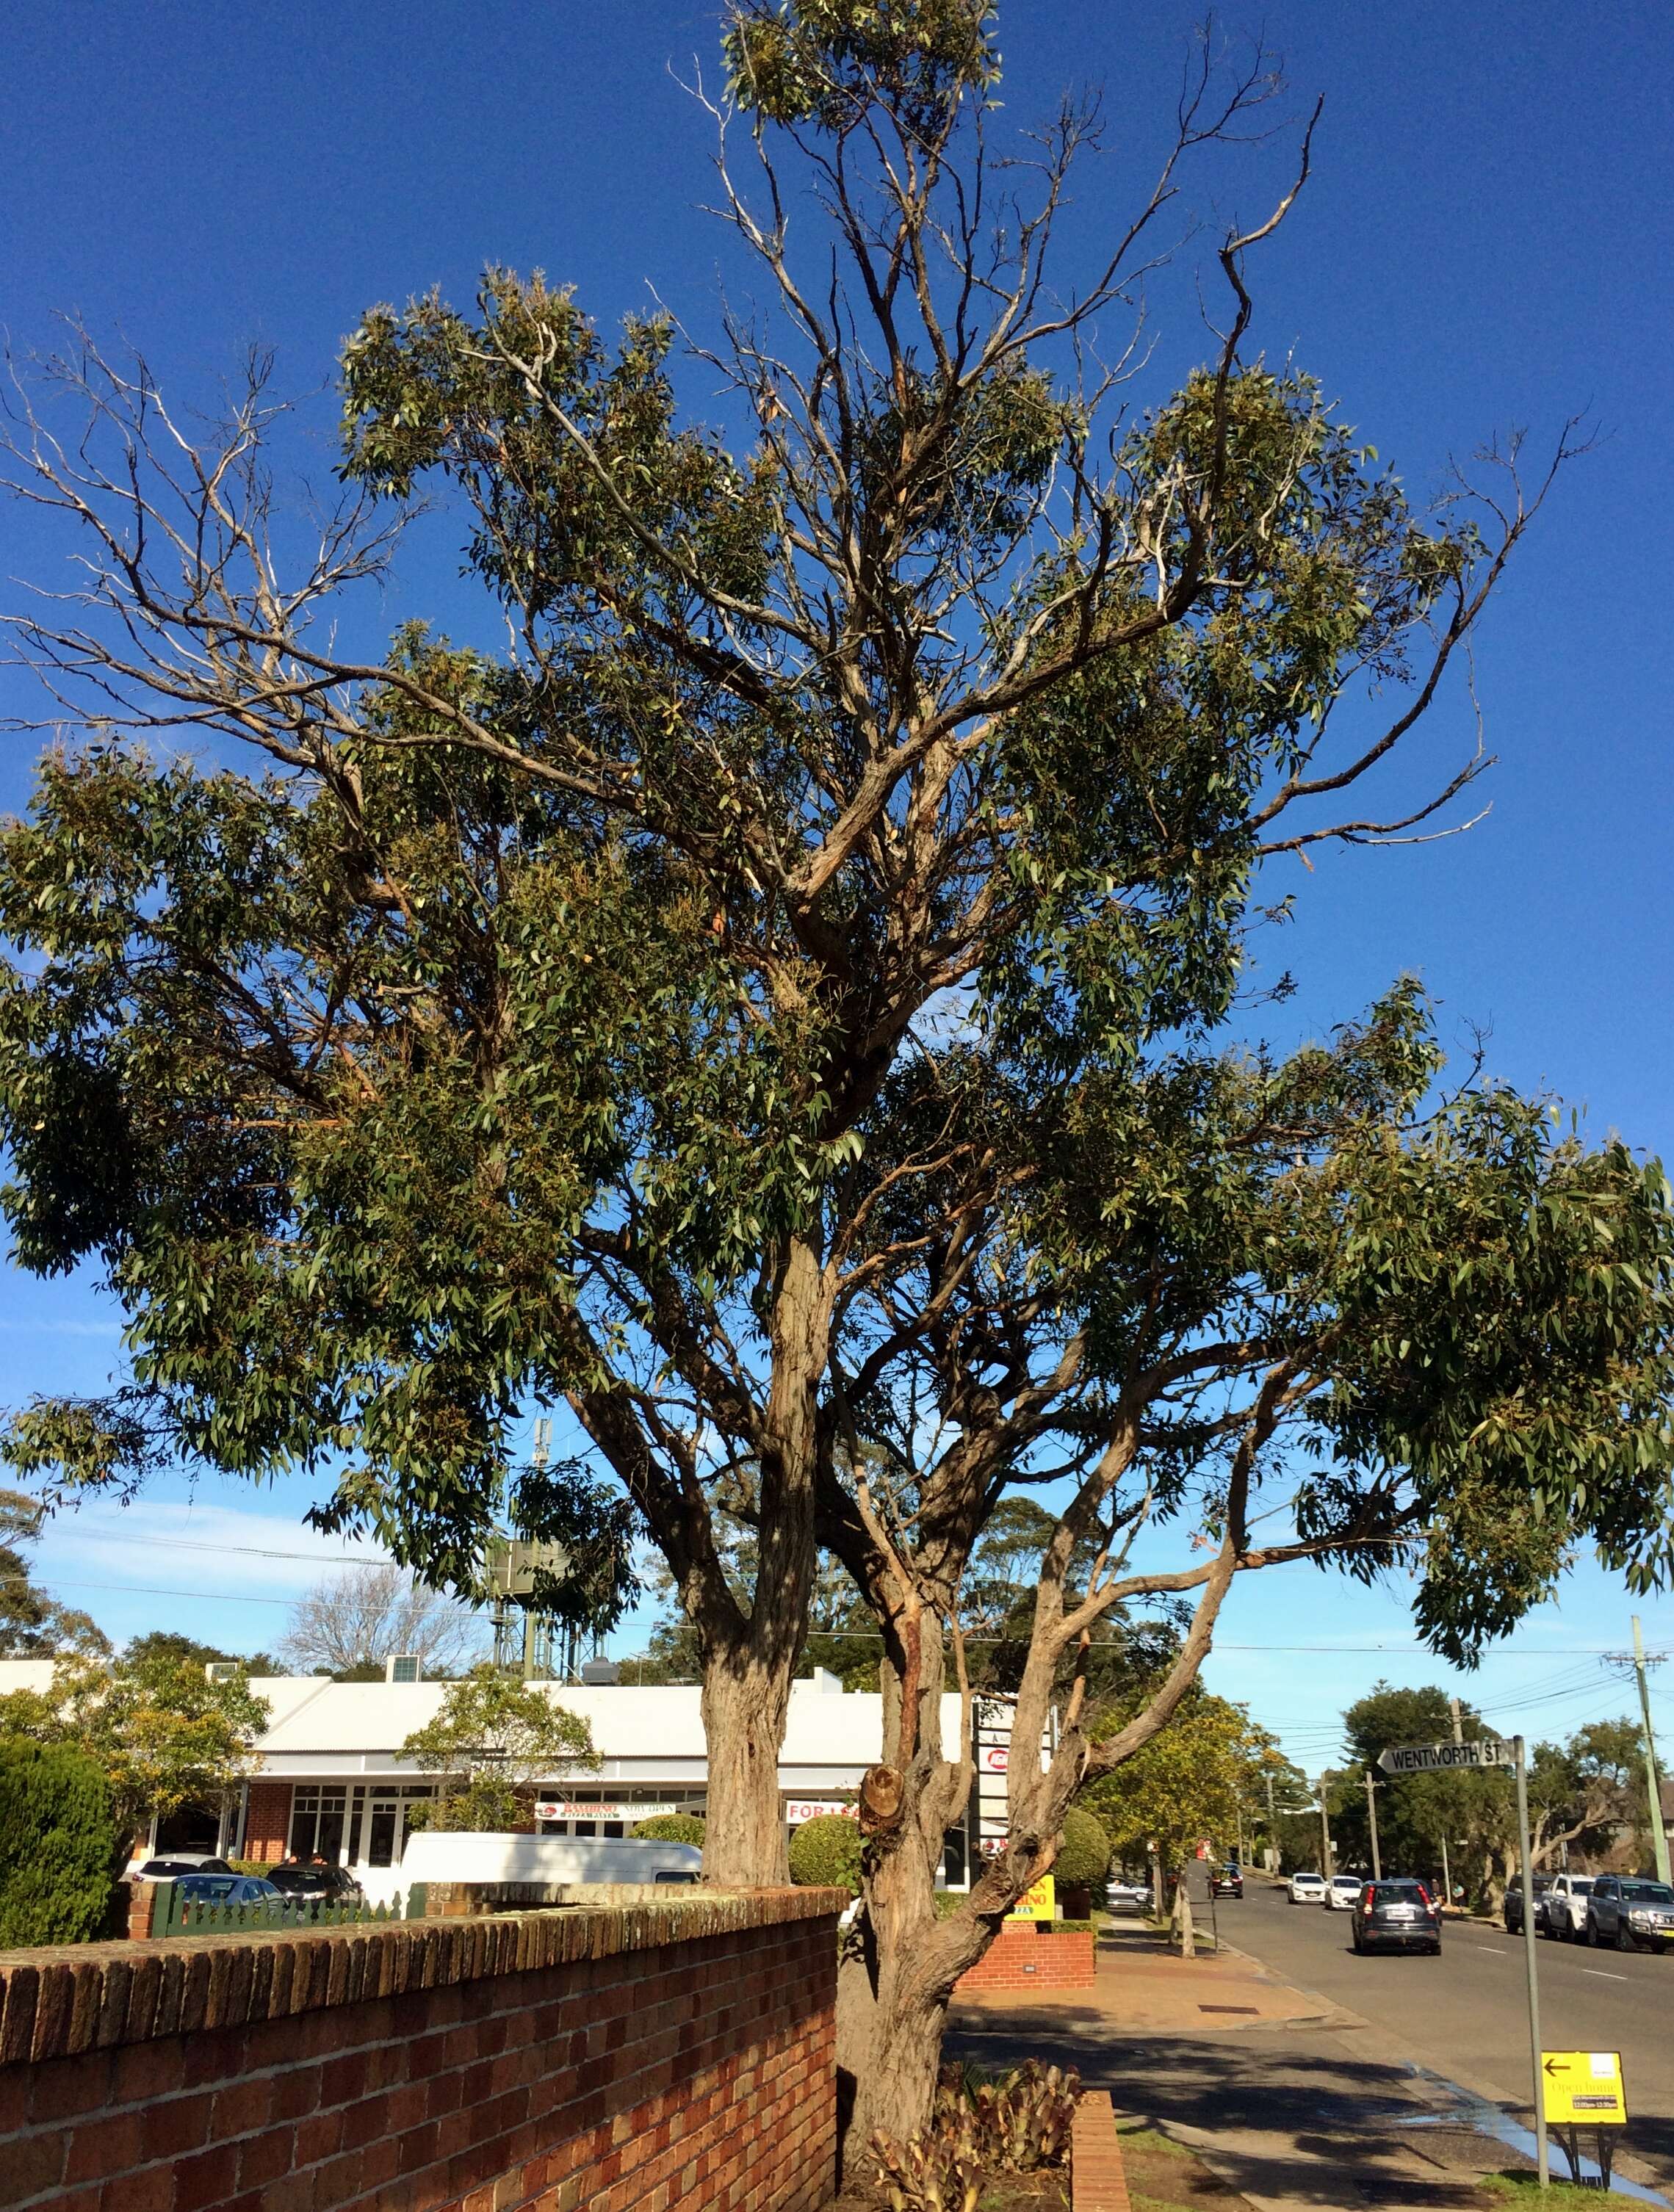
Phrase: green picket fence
(174, 1915)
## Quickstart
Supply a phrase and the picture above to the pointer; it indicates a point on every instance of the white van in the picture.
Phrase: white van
(545, 1862)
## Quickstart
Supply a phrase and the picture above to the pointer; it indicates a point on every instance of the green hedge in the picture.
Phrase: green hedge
(671, 1827)
(1084, 1855)
(58, 1845)
(825, 1854)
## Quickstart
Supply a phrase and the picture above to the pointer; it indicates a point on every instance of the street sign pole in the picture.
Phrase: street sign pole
(1371, 1816)
(1542, 2159)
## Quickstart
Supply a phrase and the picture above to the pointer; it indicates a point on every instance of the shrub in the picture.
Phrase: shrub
(978, 2127)
(58, 1845)
(1084, 1857)
(673, 1827)
(825, 1854)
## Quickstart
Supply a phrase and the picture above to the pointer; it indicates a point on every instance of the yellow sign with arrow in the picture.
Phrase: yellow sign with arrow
(1583, 2089)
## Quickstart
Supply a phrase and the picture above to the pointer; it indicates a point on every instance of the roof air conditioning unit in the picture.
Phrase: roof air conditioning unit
(403, 1667)
(600, 1674)
(222, 1670)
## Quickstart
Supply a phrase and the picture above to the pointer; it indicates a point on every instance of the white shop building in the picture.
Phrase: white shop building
(328, 1777)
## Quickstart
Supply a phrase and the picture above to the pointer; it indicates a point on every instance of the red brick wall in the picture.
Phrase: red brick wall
(267, 1824)
(1023, 1957)
(634, 2058)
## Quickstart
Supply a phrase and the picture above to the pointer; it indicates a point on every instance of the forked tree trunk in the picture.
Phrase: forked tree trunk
(745, 1702)
(889, 2017)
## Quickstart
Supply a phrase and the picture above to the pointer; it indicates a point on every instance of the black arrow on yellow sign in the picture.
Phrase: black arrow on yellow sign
(1556, 2066)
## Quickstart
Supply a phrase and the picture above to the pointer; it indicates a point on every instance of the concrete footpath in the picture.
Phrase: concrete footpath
(1295, 2102)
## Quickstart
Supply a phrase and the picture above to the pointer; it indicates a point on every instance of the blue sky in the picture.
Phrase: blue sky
(1484, 245)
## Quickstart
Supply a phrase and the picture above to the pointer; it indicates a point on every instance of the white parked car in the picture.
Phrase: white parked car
(176, 1864)
(1344, 1892)
(1562, 1911)
(1134, 1894)
(546, 1862)
(1307, 1889)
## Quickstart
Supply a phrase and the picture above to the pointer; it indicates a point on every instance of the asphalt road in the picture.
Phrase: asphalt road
(1466, 2013)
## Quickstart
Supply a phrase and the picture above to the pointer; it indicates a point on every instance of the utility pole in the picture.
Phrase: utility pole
(1324, 1832)
(1458, 1728)
(1447, 1872)
(1371, 1816)
(1653, 1780)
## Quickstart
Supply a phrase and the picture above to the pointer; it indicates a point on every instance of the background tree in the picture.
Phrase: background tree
(33, 1626)
(1586, 1791)
(161, 1647)
(1417, 1812)
(1189, 1784)
(349, 1624)
(573, 1024)
(164, 1736)
(494, 1735)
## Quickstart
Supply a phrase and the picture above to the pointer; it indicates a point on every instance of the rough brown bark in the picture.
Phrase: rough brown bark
(744, 1706)
(749, 1659)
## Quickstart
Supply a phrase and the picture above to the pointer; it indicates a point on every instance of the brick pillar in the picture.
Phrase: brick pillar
(267, 1824)
(1097, 2182)
(141, 1899)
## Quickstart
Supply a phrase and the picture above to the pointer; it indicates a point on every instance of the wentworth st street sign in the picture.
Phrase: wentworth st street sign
(1442, 1758)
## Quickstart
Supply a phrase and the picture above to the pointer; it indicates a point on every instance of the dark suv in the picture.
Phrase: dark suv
(316, 1885)
(1627, 1912)
(1512, 1907)
(1226, 1881)
(1397, 1916)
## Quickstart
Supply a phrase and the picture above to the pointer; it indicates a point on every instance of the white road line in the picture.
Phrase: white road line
(1603, 1977)
(1489, 1950)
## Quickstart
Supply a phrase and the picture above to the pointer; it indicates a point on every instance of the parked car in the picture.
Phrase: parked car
(225, 1889)
(1512, 1907)
(1136, 1894)
(1399, 1915)
(559, 1862)
(1344, 1892)
(1627, 1912)
(327, 1885)
(1562, 1911)
(1226, 1881)
(178, 1864)
(1307, 1889)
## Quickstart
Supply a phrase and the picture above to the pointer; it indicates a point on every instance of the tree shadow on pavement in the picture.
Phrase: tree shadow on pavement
(1306, 2126)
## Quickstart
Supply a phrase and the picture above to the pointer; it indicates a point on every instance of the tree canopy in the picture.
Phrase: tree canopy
(794, 1003)
(492, 1735)
(33, 1626)
(162, 1733)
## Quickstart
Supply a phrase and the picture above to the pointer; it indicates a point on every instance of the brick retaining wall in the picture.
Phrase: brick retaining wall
(1025, 1957)
(630, 2058)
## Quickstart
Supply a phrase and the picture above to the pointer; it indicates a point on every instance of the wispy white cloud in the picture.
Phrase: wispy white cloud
(221, 1550)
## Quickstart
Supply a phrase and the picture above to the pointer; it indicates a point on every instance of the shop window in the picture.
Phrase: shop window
(318, 1818)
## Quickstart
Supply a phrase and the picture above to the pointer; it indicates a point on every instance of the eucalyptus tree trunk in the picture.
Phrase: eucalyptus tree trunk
(750, 1659)
(901, 1962)
(745, 1702)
